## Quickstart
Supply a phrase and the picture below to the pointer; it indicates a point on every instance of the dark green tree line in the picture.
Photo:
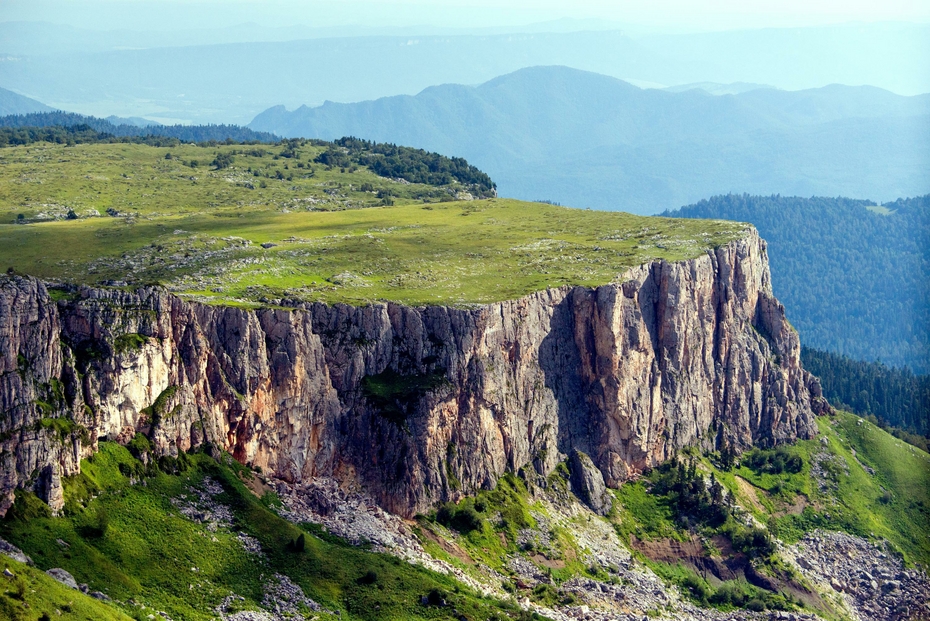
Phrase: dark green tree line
(854, 276)
(894, 396)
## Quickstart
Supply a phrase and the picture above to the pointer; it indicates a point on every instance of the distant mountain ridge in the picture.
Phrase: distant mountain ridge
(162, 75)
(589, 140)
(715, 88)
(14, 103)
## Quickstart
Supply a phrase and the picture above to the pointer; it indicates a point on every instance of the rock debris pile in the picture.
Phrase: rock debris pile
(201, 506)
(630, 592)
(871, 579)
(285, 598)
(356, 518)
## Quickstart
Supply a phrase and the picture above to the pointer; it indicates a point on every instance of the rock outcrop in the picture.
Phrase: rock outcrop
(588, 483)
(417, 405)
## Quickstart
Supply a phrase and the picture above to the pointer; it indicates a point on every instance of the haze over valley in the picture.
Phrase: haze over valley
(587, 140)
(377, 310)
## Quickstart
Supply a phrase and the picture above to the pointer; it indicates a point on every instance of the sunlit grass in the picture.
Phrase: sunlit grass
(333, 241)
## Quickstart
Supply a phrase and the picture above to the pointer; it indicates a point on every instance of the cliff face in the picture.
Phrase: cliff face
(418, 405)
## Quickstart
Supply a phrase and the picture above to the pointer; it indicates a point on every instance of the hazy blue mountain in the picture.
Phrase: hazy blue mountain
(14, 103)
(855, 277)
(234, 82)
(131, 120)
(589, 140)
(892, 55)
(229, 75)
(715, 88)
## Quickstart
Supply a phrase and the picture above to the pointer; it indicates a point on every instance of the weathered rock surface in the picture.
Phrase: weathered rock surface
(417, 405)
(588, 483)
(63, 577)
(8, 549)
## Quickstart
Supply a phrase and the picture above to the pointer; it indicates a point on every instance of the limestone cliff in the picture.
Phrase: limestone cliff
(417, 405)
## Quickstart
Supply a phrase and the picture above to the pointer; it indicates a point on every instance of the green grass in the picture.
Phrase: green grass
(31, 594)
(502, 512)
(643, 515)
(335, 243)
(150, 553)
(129, 342)
(892, 504)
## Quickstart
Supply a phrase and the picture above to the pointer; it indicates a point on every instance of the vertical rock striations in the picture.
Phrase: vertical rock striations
(418, 405)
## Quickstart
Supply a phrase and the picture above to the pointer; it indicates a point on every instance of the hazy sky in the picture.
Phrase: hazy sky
(677, 15)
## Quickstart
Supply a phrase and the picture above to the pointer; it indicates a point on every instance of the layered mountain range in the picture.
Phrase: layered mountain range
(416, 405)
(590, 140)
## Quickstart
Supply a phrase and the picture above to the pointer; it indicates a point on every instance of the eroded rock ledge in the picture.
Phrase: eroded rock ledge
(417, 405)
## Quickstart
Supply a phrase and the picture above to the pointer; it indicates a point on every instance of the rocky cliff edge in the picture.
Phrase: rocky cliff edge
(416, 405)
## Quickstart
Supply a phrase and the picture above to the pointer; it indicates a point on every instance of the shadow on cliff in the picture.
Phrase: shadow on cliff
(560, 360)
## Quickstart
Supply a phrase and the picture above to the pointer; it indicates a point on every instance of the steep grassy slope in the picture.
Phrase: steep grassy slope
(333, 235)
(31, 594)
(864, 481)
(184, 536)
(720, 554)
(183, 543)
(854, 477)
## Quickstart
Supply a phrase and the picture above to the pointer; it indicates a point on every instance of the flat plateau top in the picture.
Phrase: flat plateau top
(330, 232)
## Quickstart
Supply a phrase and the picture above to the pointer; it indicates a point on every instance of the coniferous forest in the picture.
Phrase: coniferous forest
(894, 396)
(854, 276)
(65, 127)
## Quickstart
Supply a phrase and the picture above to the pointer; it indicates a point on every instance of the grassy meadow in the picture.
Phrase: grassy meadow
(331, 234)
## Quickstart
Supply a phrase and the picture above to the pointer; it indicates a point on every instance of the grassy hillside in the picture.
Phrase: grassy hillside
(183, 543)
(31, 594)
(333, 233)
(813, 243)
(855, 477)
(872, 485)
(183, 536)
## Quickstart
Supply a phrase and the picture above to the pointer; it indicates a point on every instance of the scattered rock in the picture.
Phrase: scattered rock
(63, 577)
(286, 598)
(200, 506)
(8, 549)
(873, 582)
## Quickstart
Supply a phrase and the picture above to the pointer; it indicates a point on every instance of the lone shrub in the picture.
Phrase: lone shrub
(96, 523)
